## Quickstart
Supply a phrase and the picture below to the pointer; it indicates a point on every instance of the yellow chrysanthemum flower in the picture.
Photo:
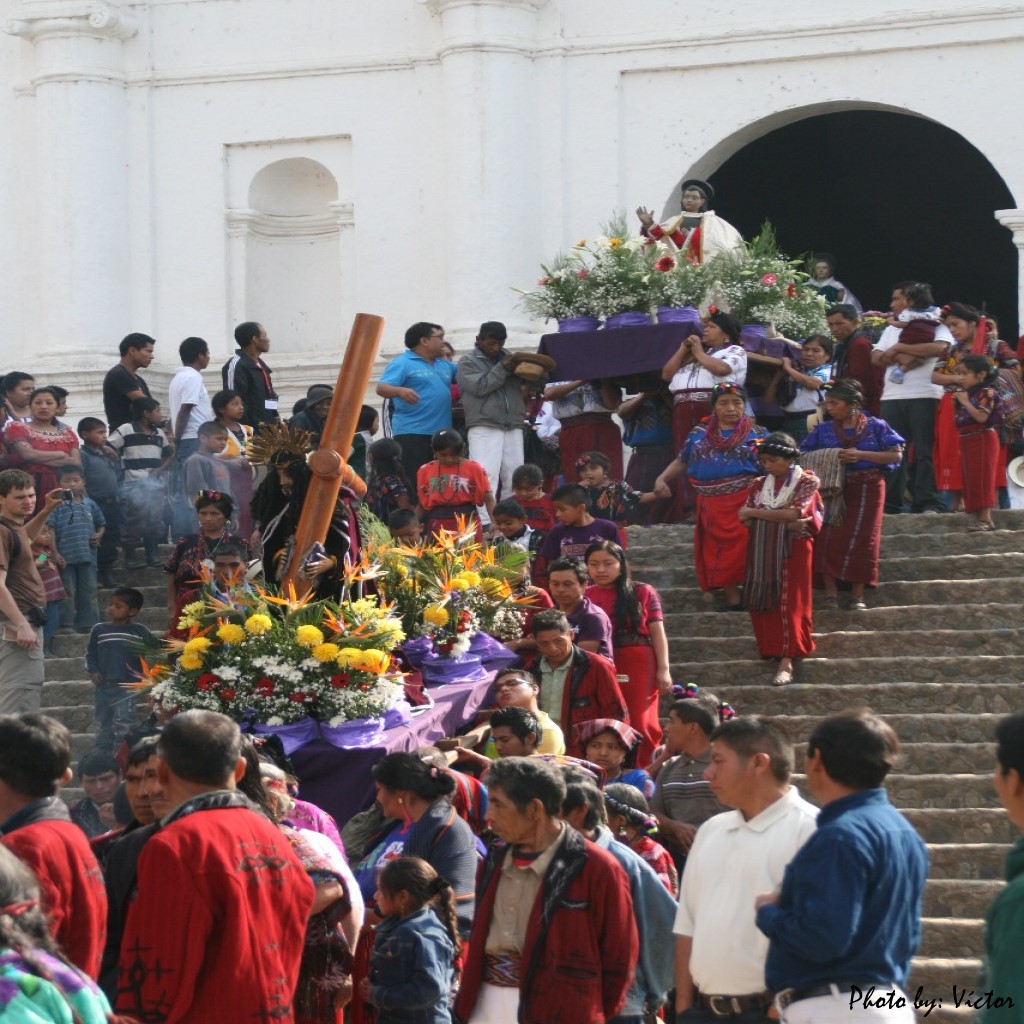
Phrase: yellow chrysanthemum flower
(190, 662)
(614, 243)
(435, 615)
(230, 633)
(373, 661)
(198, 646)
(458, 584)
(347, 656)
(470, 577)
(309, 636)
(258, 624)
(326, 652)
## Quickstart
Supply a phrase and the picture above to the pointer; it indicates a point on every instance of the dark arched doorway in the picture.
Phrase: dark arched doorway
(892, 195)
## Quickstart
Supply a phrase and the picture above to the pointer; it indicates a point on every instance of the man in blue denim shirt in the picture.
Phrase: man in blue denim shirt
(847, 919)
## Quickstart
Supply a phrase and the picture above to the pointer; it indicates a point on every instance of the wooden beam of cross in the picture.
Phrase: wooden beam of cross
(335, 442)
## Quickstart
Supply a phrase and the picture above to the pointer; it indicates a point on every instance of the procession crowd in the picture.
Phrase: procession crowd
(567, 858)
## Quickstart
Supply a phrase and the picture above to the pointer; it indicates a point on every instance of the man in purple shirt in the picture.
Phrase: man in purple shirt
(591, 628)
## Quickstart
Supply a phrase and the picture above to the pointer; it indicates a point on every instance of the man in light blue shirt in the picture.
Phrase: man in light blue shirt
(420, 382)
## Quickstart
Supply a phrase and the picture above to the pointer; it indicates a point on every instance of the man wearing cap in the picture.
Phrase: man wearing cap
(697, 232)
(419, 380)
(314, 415)
(492, 398)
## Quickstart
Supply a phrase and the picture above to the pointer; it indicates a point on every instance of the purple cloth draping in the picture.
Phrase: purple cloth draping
(365, 732)
(437, 671)
(417, 650)
(588, 355)
(339, 781)
(294, 735)
(493, 653)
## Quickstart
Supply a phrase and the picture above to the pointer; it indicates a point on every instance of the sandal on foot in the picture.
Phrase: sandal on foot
(782, 678)
(977, 527)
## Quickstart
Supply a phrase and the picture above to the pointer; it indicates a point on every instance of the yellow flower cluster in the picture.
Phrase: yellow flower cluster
(309, 636)
(193, 651)
(470, 578)
(258, 624)
(372, 661)
(230, 633)
(435, 615)
(325, 653)
(458, 584)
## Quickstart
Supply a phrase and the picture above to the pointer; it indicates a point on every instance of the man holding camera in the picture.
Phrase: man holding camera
(22, 598)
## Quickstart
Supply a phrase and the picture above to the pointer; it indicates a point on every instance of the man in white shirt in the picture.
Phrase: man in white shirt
(909, 407)
(190, 409)
(736, 856)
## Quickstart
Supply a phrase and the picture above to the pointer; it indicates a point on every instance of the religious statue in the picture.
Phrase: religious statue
(698, 232)
(824, 282)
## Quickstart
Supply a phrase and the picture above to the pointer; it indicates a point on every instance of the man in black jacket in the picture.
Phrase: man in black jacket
(247, 373)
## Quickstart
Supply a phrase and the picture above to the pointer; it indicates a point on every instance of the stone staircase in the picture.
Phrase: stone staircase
(939, 652)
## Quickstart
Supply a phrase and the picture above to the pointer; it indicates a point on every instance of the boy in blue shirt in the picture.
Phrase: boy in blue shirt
(111, 661)
(78, 525)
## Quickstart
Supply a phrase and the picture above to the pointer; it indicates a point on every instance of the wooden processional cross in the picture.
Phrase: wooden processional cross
(325, 463)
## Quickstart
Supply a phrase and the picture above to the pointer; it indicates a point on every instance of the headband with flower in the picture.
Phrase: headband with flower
(691, 691)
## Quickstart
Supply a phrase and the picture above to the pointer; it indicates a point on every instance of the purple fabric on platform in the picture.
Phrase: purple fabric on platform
(339, 781)
(575, 324)
(294, 735)
(588, 355)
(678, 315)
(629, 319)
(440, 671)
(493, 653)
(417, 651)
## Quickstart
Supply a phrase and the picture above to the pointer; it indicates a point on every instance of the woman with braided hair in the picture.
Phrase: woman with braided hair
(630, 818)
(37, 985)
(782, 513)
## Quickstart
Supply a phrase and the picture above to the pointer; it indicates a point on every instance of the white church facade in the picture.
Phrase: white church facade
(177, 166)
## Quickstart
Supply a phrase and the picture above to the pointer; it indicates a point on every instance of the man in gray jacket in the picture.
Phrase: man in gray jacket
(494, 406)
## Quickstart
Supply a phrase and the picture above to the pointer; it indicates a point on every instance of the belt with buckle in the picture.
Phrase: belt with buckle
(733, 1006)
(795, 995)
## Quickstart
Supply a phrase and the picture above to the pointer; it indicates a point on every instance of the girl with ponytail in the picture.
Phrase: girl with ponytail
(977, 414)
(411, 968)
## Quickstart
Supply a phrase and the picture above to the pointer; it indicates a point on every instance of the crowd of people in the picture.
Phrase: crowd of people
(540, 894)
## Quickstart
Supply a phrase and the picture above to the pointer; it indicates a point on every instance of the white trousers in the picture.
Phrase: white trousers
(500, 452)
(496, 1005)
(836, 1009)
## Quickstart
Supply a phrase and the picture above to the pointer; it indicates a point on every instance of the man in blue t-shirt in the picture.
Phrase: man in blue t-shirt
(420, 382)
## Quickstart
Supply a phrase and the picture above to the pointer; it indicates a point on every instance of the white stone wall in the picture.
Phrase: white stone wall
(454, 144)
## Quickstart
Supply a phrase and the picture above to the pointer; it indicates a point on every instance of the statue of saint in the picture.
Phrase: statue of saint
(698, 233)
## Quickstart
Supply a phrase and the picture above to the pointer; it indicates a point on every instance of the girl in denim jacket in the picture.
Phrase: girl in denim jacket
(411, 967)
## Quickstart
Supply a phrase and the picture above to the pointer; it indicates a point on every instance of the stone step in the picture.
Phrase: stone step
(962, 825)
(707, 623)
(912, 729)
(933, 758)
(944, 936)
(969, 861)
(959, 898)
(976, 683)
(951, 594)
(937, 976)
(850, 643)
(949, 790)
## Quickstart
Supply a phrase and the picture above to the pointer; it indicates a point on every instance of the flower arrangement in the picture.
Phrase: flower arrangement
(675, 280)
(273, 659)
(450, 587)
(562, 289)
(873, 322)
(619, 280)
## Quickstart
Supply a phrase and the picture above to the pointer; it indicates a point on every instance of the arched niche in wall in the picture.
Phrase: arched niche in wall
(292, 232)
(894, 195)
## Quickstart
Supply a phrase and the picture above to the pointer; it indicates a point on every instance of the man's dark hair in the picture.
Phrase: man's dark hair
(140, 406)
(98, 762)
(919, 295)
(401, 518)
(574, 565)
(523, 779)
(367, 414)
(201, 747)
(58, 392)
(580, 791)
(246, 333)
(230, 548)
(521, 721)
(752, 735)
(13, 379)
(65, 471)
(702, 709)
(134, 341)
(857, 748)
(570, 494)
(549, 619)
(845, 310)
(191, 349)
(902, 286)
(13, 480)
(35, 752)
(493, 329)
(89, 423)
(527, 473)
(210, 427)
(418, 332)
(132, 597)
(1009, 744)
(143, 751)
(509, 507)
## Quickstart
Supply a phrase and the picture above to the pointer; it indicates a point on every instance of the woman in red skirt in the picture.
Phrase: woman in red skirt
(584, 410)
(639, 644)
(977, 417)
(703, 360)
(782, 512)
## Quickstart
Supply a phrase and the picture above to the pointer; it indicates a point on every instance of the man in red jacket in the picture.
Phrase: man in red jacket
(575, 685)
(35, 761)
(216, 930)
(554, 938)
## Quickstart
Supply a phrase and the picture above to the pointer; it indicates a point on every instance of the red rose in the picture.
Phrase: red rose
(340, 681)
(208, 681)
(770, 279)
(583, 274)
(791, 290)
(227, 694)
(464, 616)
(542, 281)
